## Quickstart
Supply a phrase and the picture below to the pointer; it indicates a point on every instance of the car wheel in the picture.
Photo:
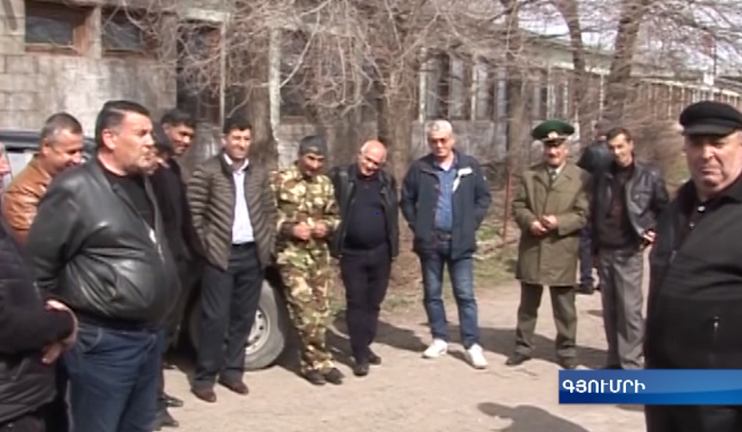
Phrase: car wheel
(267, 338)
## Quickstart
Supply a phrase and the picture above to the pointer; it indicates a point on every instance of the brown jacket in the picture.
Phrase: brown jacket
(551, 260)
(22, 198)
(211, 198)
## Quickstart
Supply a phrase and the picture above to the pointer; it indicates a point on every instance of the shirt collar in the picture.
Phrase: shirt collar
(231, 163)
(556, 170)
(454, 163)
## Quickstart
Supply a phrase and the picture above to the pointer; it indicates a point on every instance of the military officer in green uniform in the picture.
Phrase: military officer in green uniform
(550, 207)
(307, 216)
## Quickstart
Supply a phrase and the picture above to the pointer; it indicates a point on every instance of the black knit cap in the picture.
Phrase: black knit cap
(710, 118)
(313, 144)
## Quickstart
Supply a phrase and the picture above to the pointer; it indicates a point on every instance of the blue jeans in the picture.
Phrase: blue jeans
(113, 376)
(586, 258)
(461, 272)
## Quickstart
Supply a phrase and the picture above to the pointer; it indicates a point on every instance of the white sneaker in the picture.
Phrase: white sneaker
(475, 356)
(436, 349)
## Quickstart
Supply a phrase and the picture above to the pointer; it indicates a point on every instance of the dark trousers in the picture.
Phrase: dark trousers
(565, 318)
(56, 414)
(229, 302)
(365, 276)
(693, 418)
(621, 273)
(188, 274)
(113, 379)
(461, 272)
(586, 258)
(27, 423)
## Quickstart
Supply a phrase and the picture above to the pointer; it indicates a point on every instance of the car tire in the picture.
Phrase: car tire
(269, 333)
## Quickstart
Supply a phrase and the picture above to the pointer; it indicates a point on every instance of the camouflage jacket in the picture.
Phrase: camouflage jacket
(299, 199)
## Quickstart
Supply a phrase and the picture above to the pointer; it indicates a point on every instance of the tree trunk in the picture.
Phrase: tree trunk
(632, 14)
(518, 119)
(569, 9)
(264, 146)
(396, 115)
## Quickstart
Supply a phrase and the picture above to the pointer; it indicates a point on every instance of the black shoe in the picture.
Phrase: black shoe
(585, 289)
(614, 367)
(315, 377)
(334, 376)
(164, 419)
(361, 369)
(517, 359)
(173, 402)
(568, 363)
(374, 359)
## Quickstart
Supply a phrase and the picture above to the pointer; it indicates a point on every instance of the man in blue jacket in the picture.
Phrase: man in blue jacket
(445, 198)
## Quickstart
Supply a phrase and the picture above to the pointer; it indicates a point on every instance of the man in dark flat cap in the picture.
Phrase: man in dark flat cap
(694, 302)
(550, 207)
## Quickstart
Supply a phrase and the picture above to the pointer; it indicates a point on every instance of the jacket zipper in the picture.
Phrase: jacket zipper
(714, 338)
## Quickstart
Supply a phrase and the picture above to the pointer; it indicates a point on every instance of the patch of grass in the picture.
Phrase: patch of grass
(497, 268)
(401, 302)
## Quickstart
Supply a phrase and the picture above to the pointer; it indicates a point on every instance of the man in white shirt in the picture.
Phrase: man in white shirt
(235, 217)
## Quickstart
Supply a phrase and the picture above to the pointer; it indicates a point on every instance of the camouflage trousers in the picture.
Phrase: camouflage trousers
(309, 309)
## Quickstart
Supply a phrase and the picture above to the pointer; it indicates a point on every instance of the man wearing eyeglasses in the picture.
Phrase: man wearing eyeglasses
(366, 242)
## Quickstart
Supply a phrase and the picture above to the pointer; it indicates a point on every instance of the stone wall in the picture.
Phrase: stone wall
(35, 85)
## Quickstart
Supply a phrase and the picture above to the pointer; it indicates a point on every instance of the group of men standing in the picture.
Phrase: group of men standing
(103, 255)
(694, 285)
(98, 263)
(619, 205)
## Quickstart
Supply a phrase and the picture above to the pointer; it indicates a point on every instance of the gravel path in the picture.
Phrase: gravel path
(409, 394)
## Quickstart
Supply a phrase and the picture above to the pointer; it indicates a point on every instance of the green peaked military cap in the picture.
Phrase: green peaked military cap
(552, 131)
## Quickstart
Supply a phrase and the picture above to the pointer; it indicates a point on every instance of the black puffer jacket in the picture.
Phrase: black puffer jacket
(26, 327)
(92, 249)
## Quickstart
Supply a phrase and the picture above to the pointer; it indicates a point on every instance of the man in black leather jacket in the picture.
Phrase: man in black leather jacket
(627, 200)
(366, 242)
(97, 245)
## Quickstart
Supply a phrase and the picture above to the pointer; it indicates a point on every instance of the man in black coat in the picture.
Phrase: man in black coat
(366, 242)
(172, 138)
(694, 303)
(32, 336)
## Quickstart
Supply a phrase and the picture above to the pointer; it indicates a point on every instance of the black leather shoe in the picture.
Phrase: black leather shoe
(612, 367)
(315, 377)
(361, 369)
(517, 359)
(374, 359)
(334, 376)
(173, 402)
(164, 419)
(568, 363)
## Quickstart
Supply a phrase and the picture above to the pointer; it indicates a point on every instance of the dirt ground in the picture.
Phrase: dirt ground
(412, 394)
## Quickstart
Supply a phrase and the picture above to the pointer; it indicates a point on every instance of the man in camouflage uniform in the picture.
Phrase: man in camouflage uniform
(307, 216)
